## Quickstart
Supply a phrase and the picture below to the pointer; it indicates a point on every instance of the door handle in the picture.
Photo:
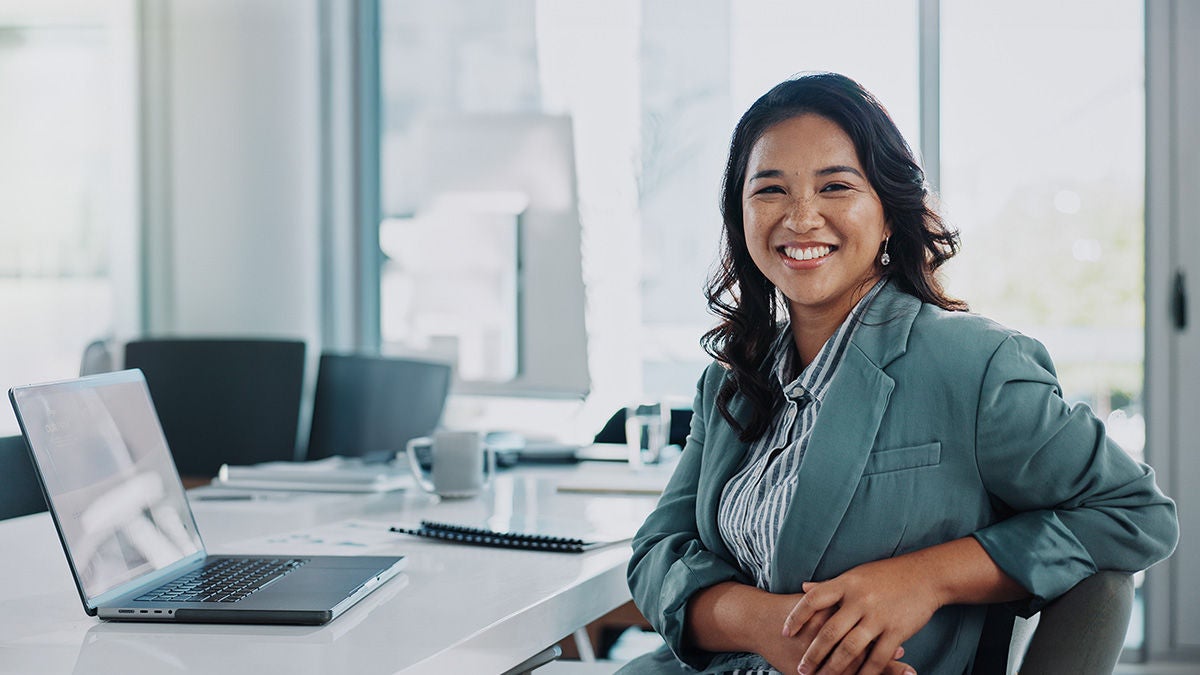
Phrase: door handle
(1179, 301)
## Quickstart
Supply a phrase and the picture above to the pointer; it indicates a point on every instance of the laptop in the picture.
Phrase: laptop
(129, 533)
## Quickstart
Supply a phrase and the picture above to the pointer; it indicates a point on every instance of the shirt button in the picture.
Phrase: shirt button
(796, 392)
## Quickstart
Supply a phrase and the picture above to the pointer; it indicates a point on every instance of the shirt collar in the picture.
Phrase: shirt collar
(814, 380)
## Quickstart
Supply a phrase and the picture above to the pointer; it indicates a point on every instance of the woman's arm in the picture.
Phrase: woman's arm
(670, 562)
(733, 617)
(1080, 503)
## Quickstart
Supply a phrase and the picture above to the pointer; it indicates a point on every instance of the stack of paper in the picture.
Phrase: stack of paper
(332, 474)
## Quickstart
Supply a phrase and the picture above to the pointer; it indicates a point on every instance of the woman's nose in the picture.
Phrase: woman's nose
(803, 215)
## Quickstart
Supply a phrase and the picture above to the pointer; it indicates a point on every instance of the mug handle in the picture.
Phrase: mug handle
(489, 467)
(417, 471)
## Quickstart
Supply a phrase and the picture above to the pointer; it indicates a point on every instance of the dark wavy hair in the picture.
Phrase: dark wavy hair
(746, 302)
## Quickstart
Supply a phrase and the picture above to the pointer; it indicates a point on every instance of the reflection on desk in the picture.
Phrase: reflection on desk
(455, 608)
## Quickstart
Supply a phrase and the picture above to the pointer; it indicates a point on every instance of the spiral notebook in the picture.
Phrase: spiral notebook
(482, 536)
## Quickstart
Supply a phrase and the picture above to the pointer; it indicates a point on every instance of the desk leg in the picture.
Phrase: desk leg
(603, 632)
(583, 643)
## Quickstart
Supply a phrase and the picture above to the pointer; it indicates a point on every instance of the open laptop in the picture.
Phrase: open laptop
(129, 533)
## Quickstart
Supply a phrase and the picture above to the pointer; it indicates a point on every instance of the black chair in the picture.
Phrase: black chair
(371, 406)
(20, 493)
(223, 400)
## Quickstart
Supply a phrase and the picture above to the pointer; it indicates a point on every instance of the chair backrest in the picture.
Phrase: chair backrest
(20, 493)
(1082, 631)
(222, 401)
(371, 406)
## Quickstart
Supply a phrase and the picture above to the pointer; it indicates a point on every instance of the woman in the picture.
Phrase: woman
(868, 465)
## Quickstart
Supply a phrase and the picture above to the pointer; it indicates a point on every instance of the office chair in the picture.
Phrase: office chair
(371, 406)
(1083, 631)
(223, 400)
(20, 492)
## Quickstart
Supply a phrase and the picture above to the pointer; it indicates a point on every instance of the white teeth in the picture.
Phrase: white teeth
(807, 253)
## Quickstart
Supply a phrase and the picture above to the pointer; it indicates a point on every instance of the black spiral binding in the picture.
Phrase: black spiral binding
(462, 534)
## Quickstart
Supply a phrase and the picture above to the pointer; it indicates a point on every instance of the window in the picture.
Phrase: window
(481, 232)
(651, 91)
(68, 222)
(1043, 172)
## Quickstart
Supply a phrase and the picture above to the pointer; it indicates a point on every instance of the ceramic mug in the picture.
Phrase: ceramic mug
(463, 464)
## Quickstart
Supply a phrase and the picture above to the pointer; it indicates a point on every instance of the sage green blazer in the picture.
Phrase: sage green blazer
(937, 425)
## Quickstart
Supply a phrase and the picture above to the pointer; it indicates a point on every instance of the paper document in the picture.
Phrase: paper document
(347, 537)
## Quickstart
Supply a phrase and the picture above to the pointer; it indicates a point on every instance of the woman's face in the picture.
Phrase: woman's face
(813, 222)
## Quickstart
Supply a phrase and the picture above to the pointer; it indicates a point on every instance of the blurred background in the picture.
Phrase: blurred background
(529, 188)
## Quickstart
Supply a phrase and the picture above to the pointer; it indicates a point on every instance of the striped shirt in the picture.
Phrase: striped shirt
(755, 501)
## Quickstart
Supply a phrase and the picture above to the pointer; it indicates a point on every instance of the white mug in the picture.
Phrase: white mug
(463, 464)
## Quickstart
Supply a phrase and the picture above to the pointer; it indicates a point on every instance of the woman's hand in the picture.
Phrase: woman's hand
(881, 604)
(875, 608)
(733, 617)
(784, 653)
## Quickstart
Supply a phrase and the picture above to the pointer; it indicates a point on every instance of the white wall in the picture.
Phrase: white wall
(232, 151)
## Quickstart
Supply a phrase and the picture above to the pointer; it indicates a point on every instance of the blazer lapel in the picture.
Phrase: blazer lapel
(724, 453)
(842, 438)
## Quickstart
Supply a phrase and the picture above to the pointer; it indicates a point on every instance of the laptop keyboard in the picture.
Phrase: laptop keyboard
(224, 580)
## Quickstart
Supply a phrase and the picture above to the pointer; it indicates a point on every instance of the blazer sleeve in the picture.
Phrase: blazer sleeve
(670, 562)
(1079, 503)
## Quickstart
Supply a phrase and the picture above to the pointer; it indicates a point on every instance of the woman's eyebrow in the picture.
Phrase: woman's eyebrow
(839, 168)
(766, 173)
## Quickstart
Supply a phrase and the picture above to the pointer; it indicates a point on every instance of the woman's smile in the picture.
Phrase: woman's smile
(807, 254)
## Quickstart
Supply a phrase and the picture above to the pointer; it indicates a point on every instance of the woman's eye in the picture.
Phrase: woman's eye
(835, 187)
(771, 189)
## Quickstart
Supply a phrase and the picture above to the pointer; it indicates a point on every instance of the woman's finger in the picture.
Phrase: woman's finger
(819, 598)
(830, 635)
(854, 647)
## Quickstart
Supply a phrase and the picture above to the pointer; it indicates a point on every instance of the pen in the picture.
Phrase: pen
(223, 498)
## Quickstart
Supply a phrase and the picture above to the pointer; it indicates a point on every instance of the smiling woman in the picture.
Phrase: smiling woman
(868, 469)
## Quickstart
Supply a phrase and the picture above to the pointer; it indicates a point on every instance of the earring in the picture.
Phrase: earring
(885, 259)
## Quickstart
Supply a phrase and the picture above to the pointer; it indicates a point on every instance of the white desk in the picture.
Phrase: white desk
(455, 609)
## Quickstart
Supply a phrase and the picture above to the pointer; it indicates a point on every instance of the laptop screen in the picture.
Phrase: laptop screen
(109, 477)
